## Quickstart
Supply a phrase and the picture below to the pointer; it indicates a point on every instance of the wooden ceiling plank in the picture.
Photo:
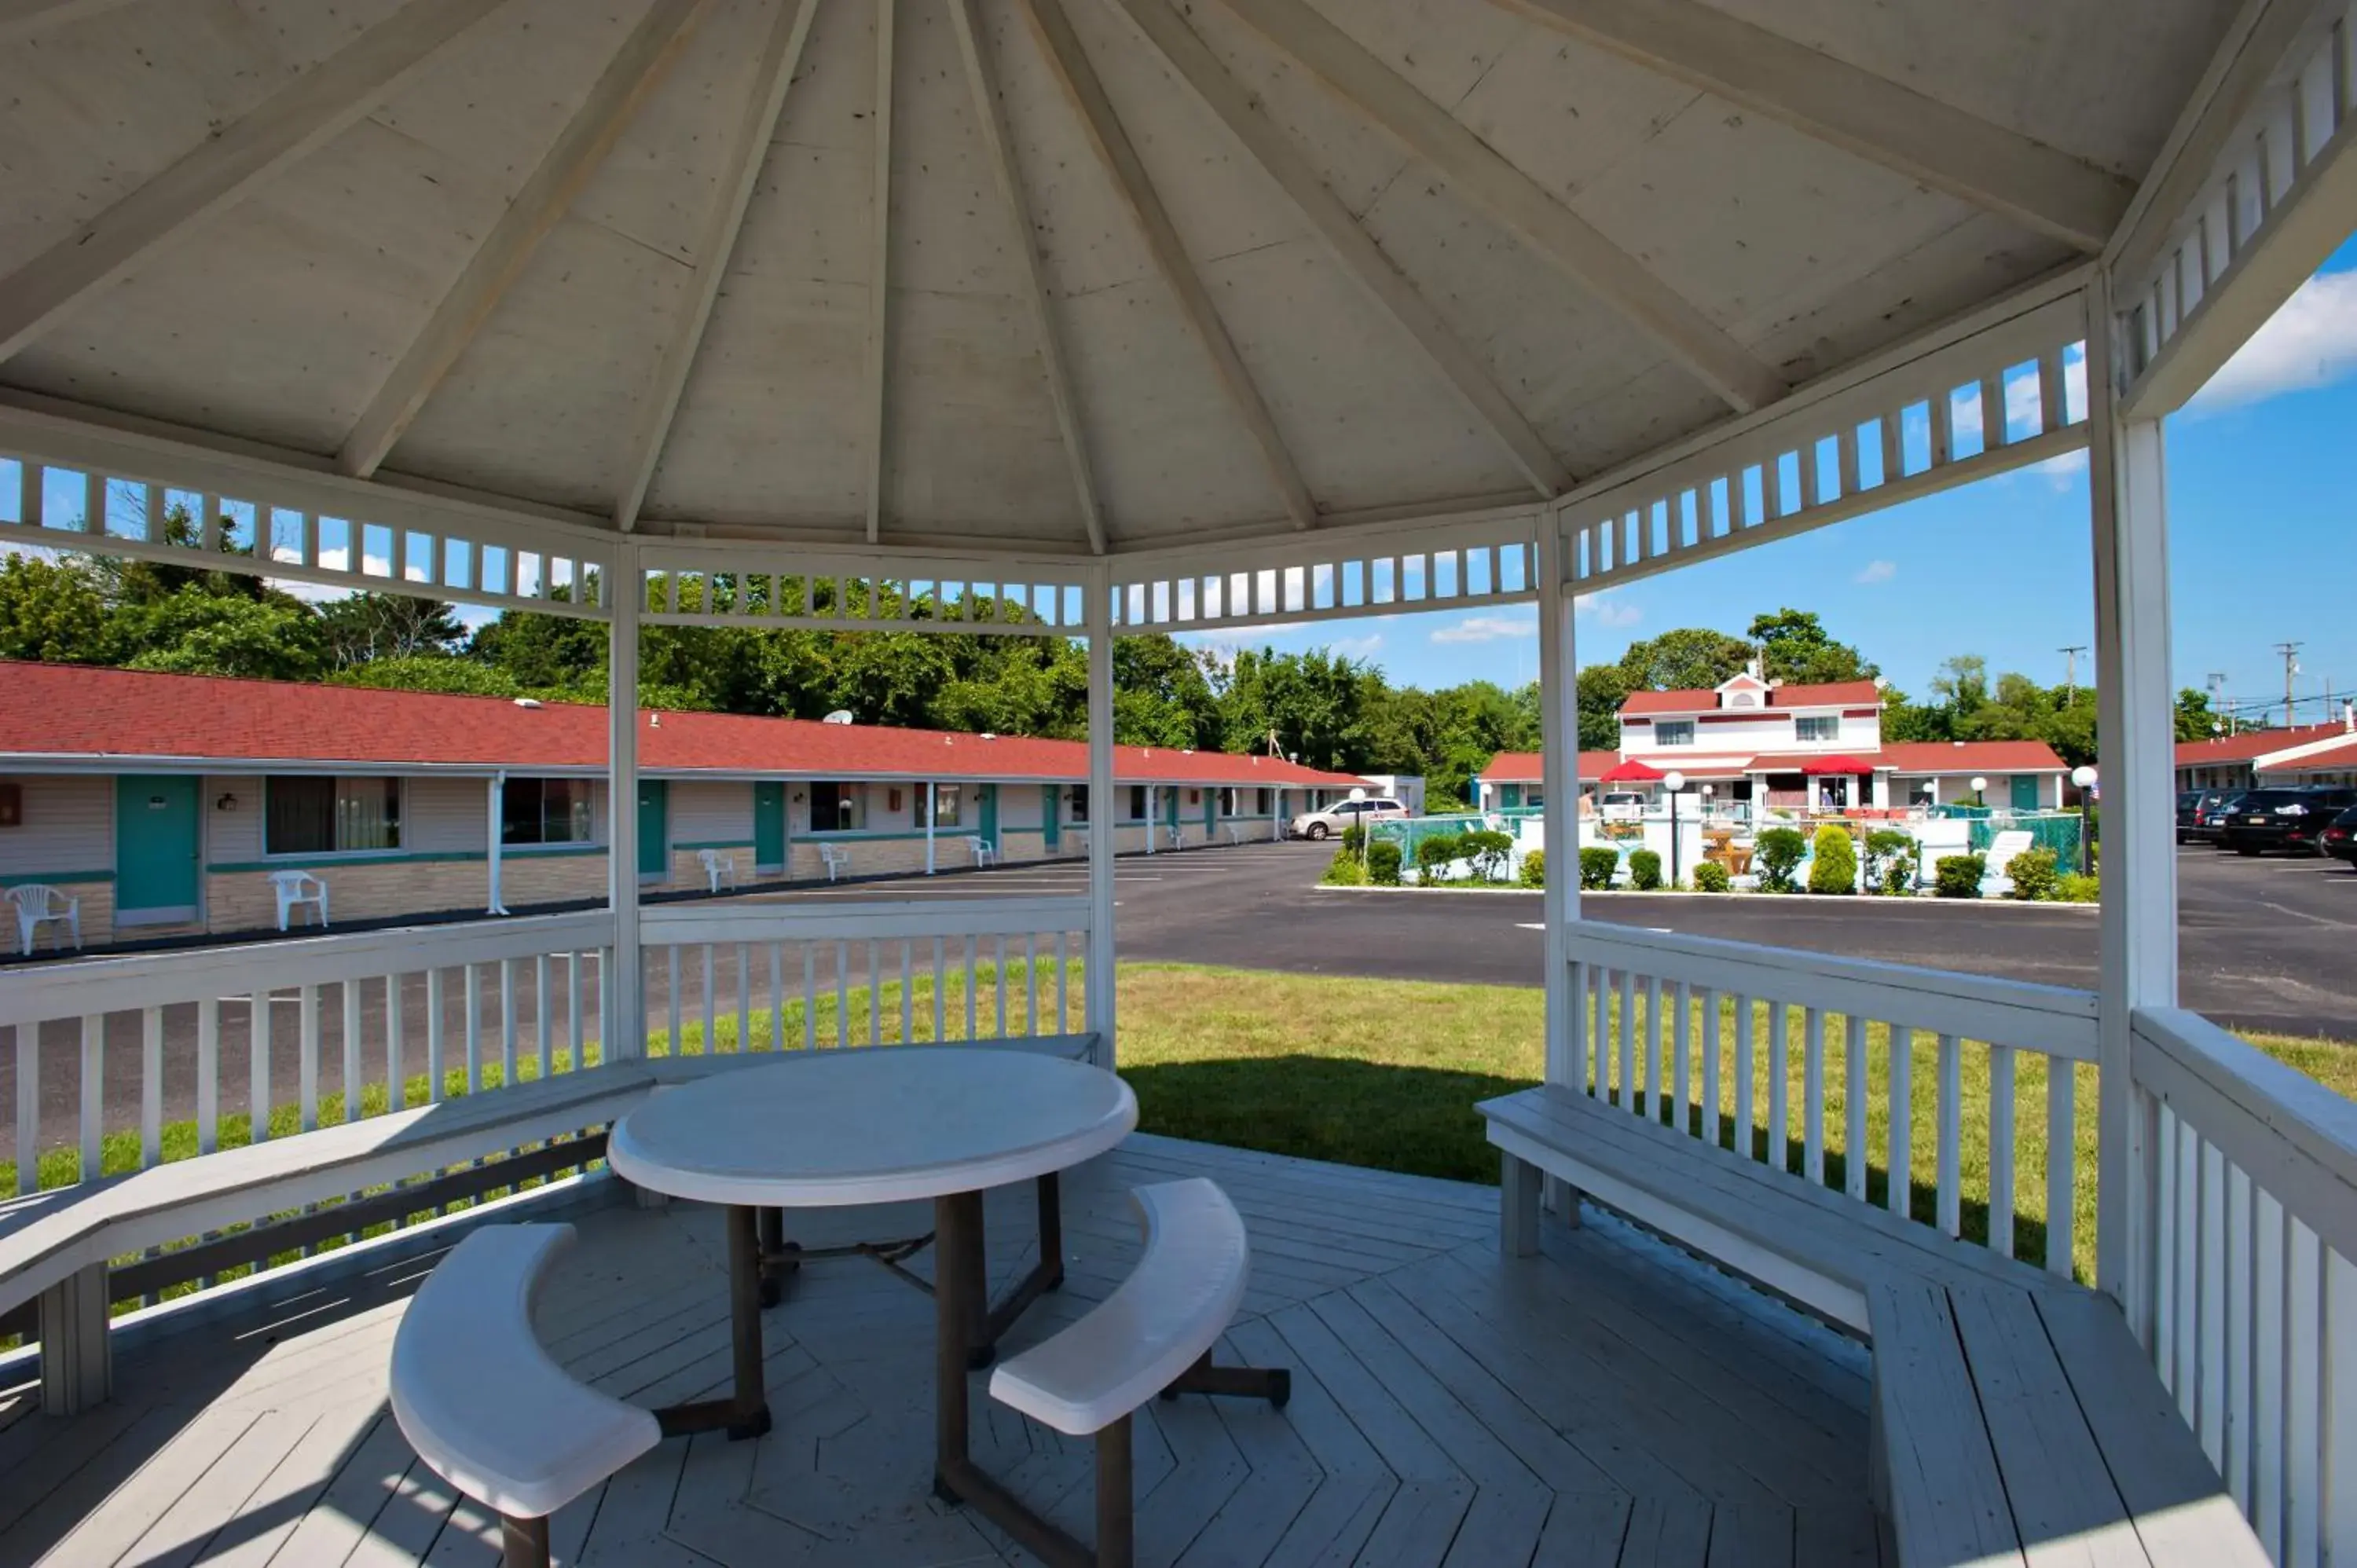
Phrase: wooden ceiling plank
(1352, 246)
(300, 117)
(880, 274)
(991, 116)
(2018, 178)
(605, 111)
(1087, 93)
(773, 76)
(1515, 200)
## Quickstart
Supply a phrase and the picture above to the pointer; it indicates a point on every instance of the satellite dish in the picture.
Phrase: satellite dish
(839, 717)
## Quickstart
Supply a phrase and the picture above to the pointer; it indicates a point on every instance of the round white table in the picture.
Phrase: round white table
(876, 1125)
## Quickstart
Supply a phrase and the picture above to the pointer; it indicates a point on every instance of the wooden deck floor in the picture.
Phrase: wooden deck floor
(1608, 1403)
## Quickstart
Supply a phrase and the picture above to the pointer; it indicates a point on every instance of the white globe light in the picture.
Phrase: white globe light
(2083, 776)
(1676, 781)
(1358, 794)
(1979, 783)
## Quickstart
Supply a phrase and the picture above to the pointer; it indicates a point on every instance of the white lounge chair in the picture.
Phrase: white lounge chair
(719, 867)
(485, 1407)
(295, 888)
(837, 858)
(39, 904)
(983, 851)
(2005, 845)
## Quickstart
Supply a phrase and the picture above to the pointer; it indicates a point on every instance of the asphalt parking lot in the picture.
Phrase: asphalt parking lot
(2267, 944)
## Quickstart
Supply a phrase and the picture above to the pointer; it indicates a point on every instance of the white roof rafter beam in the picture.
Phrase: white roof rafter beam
(1113, 143)
(772, 75)
(880, 274)
(1352, 246)
(981, 79)
(301, 117)
(1515, 200)
(1831, 101)
(22, 18)
(500, 258)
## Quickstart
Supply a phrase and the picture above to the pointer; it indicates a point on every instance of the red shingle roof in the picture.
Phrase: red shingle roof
(1523, 767)
(2250, 744)
(62, 711)
(1973, 756)
(1838, 694)
(2330, 759)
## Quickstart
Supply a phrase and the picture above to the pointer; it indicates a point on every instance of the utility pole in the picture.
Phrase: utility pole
(2071, 671)
(2290, 652)
(2218, 704)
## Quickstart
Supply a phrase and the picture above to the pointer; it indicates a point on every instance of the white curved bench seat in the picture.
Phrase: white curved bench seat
(1161, 1320)
(484, 1405)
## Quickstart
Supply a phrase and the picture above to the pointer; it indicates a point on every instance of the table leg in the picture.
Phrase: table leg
(981, 1334)
(745, 1412)
(957, 1271)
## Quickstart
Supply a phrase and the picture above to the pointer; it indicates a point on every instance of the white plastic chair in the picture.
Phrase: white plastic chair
(719, 866)
(984, 853)
(298, 887)
(38, 904)
(837, 858)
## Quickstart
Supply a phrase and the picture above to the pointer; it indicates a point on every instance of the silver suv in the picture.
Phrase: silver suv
(1341, 814)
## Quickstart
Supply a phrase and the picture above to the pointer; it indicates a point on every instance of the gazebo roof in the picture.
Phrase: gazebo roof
(1063, 269)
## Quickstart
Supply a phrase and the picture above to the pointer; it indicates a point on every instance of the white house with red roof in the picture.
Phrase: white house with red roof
(2303, 754)
(1757, 741)
(165, 802)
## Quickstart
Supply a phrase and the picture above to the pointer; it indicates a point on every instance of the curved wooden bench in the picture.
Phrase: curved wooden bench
(486, 1408)
(1153, 1335)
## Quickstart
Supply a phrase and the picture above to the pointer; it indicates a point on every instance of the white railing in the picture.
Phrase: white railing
(773, 976)
(2250, 1206)
(372, 1022)
(1714, 1029)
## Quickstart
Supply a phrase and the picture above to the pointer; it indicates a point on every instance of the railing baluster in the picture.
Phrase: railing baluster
(1682, 1041)
(2211, 1407)
(2339, 1396)
(1856, 1034)
(744, 997)
(1000, 965)
(1653, 1096)
(2061, 1166)
(1746, 1067)
(842, 994)
(257, 1066)
(1710, 1037)
(810, 997)
(1032, 984)
(941, 990)
(2239, 1407)
(2186, 1310)
(93, 1095)
(970, 981)
(208, 1075)
(353, 1069)
(2304, 1375)
(1780, 1082)
(307, 1049)
(1899, 1196)
(28, 1105)
(2267, 1361)
(396, 1092)
(2001, 1161)
(437, 1002)
(507, 1030)
(544, 1019)
(1950, 1155)
(151, 1087)
(875, 987)
(1063, 986)
(707, 951)
(473, 989)
(1813, 1096)
(777, 973)
(1627, 1042)
(908, 992)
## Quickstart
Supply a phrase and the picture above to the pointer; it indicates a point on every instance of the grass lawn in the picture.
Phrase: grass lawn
(1380, 1073)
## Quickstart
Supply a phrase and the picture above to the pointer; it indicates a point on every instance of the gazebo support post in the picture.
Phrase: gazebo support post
(622, 1020)
(1566, 982)
(2127, 485)
(1097, 987)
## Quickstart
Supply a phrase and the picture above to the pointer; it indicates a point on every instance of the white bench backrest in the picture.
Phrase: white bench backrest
(2004, 847)
(483, 1403)
(1170, 1310)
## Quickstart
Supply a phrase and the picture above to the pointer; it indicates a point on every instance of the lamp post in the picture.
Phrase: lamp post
(1979, 784)
(2084, 778)
(1673, 783)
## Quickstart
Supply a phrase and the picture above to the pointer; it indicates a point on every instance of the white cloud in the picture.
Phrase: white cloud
(1606, 612)
(2311, 342)
(1879, 571)
(1488, 628)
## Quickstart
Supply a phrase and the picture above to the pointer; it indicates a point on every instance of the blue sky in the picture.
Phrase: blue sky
(2262, 549)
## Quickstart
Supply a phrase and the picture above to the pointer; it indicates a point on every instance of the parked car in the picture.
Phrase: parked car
(2339, 839)
(1341, 814)
(1622, 805)
(2208, 813)
(2291, 820)
(2188, 801)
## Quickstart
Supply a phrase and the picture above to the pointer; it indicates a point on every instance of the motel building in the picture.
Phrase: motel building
(1755, 743)
(2303, 753)
(166, 804)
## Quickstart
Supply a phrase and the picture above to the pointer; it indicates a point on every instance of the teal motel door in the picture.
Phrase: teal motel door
(1170, 806)
(155, 848)
(654, 829)
(2025, 792)
(988, 824)
(769, 825)
(1051, 827)
(1210, 813)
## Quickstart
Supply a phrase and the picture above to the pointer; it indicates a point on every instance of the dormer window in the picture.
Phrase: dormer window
(1817, 726)
(1674, 732)
(1742, 699)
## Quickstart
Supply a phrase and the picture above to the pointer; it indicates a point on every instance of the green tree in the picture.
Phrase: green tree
(1602, 689)
(2195, 721)
(1688, 659)
(1795, 647)
(197, 632)
(368, 625)
(52, 611)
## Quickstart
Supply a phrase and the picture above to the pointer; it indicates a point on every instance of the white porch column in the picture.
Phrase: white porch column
(1277, 813)
(2127, 489)
(623, 1024)
(1150, 804)
(1098, 990)
(493, 904)
(1559, 777)
(932, 815)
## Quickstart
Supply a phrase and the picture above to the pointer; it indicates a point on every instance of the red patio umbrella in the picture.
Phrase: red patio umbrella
(1632, 772)
(1819, 767)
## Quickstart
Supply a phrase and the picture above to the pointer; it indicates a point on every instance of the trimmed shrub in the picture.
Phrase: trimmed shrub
(1384, 862)
(2034, 874)
(1779, 850)
(1711, 877)
(1435, 852)
(1596, 864)
(1834, 867)
(1645, 870)
(2072, 889)
(1354, 837)
(1959, 875)
(1890, 862)
(1534, 873)
(1487, 848)
(1345, 871)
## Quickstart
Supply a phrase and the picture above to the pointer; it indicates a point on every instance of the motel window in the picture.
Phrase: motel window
(545, 811)
(947, 806)
(1817, 726)
(1267, 802)
(1138, 802)
(1228, 803)
(304, 815)
(1922, 794)
(838, 808)
(1080, 803)
(1533, 797)
(1674, 732)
